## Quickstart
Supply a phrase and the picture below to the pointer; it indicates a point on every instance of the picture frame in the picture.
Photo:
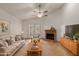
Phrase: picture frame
(4, 27)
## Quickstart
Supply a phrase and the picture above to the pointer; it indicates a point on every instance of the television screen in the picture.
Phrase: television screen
(71, 30)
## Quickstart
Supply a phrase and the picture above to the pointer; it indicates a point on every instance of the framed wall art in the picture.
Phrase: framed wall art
(4, 27)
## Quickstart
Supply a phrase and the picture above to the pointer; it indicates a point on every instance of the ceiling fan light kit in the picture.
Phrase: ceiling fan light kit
(40, 13)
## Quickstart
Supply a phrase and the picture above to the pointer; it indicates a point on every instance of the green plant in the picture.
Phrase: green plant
(76, 36)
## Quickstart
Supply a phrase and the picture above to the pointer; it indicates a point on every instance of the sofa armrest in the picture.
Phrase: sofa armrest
(3, 51)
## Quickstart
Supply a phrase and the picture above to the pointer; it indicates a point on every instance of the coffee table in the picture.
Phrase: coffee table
(34, 52)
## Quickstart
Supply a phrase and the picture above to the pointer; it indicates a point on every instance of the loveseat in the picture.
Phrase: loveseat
(9, 47)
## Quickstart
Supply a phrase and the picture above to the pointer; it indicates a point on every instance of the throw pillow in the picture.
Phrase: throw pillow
(13, 39)
(17, 37)
(9, 42)
(3, 43)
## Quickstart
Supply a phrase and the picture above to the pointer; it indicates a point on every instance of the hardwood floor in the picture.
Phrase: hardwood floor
(50, 48)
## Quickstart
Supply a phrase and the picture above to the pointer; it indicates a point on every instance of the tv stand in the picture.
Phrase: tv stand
(71, 45)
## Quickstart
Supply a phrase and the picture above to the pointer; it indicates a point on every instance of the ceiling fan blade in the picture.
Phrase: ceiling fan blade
(45, 11)
(45, 15)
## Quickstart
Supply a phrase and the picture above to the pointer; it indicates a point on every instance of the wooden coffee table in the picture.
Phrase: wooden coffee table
(34, 52)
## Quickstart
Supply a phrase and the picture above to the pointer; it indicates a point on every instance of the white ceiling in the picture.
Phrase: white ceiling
(24, 11)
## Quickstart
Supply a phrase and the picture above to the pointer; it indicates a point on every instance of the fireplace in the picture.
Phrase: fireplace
(50, 34)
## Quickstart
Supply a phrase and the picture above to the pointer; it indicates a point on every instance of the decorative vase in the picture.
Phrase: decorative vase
(35, 42)
(75, 40)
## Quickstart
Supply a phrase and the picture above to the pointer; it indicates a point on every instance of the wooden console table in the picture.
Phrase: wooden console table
(71, 45)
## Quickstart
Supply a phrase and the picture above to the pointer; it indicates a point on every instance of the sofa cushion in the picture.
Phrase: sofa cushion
(9, 42)
(16, 38)
(12, 38)
(11, 49)
(3, 51)
(3, 43)
(14, 47)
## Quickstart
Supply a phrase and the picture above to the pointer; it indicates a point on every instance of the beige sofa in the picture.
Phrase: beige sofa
(9, 50)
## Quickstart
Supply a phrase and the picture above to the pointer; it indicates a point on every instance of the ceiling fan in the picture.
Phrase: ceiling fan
(40, 13)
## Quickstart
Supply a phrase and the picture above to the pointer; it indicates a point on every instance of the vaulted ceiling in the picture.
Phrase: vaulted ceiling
(24, 11)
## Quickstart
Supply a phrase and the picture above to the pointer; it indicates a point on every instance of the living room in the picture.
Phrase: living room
(23, 22)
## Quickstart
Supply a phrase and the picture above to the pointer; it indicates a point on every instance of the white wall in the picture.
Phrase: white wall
(70, 15)
(15, 24)
(67, 15)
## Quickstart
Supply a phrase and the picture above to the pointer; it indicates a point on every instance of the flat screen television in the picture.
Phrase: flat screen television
(71, 30)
